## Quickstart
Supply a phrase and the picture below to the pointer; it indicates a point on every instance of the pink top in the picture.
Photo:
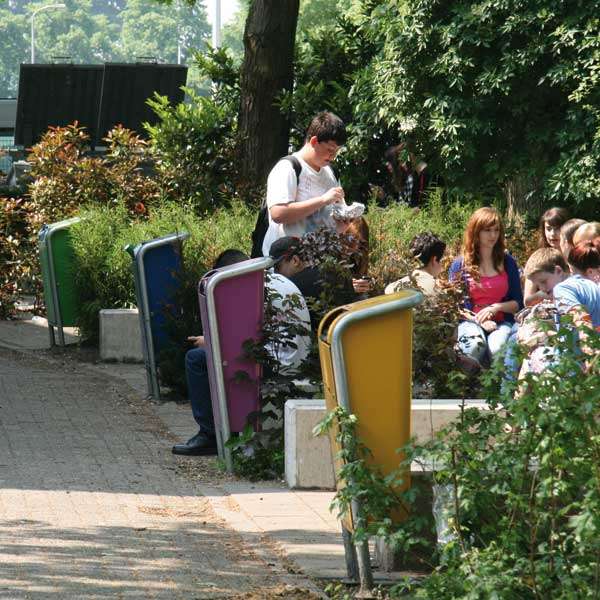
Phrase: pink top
(488, 290)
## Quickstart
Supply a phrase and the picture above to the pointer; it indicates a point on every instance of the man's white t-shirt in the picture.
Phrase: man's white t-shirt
(288, 357)
(283, 187)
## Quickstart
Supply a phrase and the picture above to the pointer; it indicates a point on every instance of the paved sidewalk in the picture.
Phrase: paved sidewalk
(93, 505)
(299, 521)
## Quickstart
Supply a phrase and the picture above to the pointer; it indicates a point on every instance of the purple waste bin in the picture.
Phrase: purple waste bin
(231, 307)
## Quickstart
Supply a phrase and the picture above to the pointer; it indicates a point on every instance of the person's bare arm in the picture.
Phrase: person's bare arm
(197, 340)
(487, 313)
(294, 211)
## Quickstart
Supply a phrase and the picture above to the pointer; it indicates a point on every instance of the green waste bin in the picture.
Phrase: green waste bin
(56, 260)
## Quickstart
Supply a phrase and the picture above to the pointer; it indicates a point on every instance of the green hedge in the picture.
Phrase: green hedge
(103, 269)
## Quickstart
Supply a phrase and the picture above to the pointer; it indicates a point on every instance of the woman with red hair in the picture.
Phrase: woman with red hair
(584, 259)
(492, 289)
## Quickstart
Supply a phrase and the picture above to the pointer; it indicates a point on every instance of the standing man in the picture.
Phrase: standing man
(300, 203)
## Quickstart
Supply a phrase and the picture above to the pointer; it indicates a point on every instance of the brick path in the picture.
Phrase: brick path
(92, 504)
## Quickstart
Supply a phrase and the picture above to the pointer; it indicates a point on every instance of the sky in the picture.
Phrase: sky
(228, 8)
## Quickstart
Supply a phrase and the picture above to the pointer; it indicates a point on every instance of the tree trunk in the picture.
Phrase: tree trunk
(267, 70)
(521, 199)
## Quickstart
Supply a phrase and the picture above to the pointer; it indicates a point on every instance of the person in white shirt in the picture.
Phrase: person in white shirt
(290, 305)
(428, 249)
(301, 203)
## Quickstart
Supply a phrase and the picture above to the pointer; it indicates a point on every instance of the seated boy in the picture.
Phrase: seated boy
(587, 231)
(548, 269)
(571, 294)
(429, 250)
(196, 374)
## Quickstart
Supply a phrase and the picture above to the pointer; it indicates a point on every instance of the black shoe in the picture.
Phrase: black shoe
(200, 445)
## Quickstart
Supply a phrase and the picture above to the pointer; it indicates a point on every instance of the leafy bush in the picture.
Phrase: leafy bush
(193, 146)
(18, 253)
(103, 269)
(66, 178)
(523, 482)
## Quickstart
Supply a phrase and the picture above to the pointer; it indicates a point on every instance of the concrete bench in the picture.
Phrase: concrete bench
(120, 335)
(308, 460)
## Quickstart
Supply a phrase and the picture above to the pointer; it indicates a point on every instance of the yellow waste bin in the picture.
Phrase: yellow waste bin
(366, 361)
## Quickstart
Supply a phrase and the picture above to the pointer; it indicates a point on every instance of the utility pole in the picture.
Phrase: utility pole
(216, 25)
(33, 14)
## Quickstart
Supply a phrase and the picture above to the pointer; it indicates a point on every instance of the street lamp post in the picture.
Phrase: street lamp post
(216, 28)
(35, 12)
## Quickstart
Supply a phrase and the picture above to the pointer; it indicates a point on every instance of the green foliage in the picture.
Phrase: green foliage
(104, 278)
(89, 31)
(193, 147)
(491, 91)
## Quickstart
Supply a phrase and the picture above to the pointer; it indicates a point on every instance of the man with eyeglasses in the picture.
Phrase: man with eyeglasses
(302, 187)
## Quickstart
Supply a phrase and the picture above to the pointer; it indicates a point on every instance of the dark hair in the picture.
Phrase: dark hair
(556, 217)
(585, 255)
(568, 229)
(399, 172)
(325, 127)
(426, 245)
(231, 256)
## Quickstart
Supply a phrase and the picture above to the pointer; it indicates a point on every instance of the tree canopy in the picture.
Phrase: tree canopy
(495, 89)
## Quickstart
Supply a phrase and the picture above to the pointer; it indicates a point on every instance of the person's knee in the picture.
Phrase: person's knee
(195, 359)
(497, 339)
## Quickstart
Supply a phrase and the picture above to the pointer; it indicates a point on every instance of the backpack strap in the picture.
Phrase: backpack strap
(297, 166)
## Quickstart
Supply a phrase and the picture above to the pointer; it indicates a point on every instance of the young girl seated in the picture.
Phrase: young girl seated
(550, 226)
(493, 289)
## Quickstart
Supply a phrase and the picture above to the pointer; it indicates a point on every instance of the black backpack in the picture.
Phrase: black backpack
(262, 220)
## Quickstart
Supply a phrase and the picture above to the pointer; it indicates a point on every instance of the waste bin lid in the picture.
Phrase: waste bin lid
(364, 309)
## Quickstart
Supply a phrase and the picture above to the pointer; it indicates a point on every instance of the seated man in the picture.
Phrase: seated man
(289, 355)
(429, 250)
(314, 283)
(196, 374)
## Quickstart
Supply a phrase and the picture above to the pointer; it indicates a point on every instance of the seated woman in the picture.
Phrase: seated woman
(549, 237)
(492, 289)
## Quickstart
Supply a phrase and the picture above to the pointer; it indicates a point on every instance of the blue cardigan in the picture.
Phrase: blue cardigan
(514, 283)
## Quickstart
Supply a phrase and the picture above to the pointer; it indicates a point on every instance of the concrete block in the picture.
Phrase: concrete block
(430, 416)
(308, 462)
(120, 335)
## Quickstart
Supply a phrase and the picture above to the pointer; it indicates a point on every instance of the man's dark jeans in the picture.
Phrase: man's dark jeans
(196, 373)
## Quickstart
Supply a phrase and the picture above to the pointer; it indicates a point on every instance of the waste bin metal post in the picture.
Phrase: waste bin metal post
(156, 264)
(56, 258)
(232, 307)
(366, 359)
